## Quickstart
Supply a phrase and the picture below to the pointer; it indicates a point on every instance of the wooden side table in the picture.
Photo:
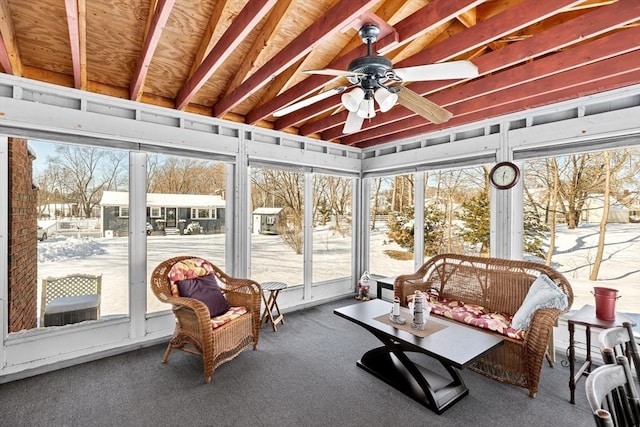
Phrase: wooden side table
(586, 317)
(271, 303)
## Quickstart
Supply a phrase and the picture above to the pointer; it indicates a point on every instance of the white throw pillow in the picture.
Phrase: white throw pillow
(543, 293)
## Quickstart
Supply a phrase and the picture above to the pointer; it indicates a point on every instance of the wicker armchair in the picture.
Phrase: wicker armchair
(194, 332)
(498, 285)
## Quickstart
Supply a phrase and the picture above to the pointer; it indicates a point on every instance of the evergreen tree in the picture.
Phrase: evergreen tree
(475, 214)
(534, 233)
(401, 229)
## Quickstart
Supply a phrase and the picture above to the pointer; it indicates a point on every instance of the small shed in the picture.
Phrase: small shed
(266, 220)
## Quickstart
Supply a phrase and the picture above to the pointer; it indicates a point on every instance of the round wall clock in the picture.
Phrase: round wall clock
(504, 175)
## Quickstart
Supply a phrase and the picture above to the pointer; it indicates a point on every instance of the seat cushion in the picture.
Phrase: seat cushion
(232, 313)
(205, 289)
(474, 315)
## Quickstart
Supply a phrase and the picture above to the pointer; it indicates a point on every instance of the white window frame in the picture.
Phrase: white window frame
(122, 209)
(195, 213)
(155, 212)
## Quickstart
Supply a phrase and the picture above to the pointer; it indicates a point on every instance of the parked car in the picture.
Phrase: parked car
(41, 233)
(149, 229)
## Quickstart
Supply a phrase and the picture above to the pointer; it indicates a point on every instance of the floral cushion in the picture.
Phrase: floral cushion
(188, 269)
(472, 314)
(232, 313)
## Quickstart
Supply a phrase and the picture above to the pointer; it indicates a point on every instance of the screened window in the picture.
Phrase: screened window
(181, 229)
(581, 217)
(85, 223)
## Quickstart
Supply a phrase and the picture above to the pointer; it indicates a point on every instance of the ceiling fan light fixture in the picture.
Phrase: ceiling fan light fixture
(386, 100)
(353, 123)
(367, 109)
(353, 99)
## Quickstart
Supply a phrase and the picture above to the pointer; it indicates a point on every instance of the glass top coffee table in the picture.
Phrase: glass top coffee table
(454, 345)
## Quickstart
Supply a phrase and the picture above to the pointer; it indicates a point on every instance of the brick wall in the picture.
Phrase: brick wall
(23, 251)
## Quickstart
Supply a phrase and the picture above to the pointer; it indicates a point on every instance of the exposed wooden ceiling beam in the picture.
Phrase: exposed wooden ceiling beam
(592, 3)
(570, 85)
(574, 31)
(10, 59)
(498, 25)
(82, 39)
(77, 23)
(206, 43)
(267, 33)
(535, 75)
(151, 39)
(413, 26)
(280, 81)
(431, 16)
(333, 21)
(520, 16)
(420, 43)
(244, 23)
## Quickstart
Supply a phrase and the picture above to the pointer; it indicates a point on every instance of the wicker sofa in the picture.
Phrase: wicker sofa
(495, 288)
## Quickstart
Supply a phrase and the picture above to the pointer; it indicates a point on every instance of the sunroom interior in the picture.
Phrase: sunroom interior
(354, 193)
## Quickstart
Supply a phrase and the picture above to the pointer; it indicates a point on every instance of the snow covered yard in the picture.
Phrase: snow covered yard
(573, 257)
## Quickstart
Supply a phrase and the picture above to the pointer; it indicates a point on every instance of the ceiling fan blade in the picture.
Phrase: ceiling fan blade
(422, 106)
(333, 72)
(440, 71)
(306, 102)
(353, 123)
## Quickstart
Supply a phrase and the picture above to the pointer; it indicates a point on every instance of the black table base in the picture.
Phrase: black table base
(391, 364)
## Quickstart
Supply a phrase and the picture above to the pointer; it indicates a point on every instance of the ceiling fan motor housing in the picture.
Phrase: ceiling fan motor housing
(372, 65)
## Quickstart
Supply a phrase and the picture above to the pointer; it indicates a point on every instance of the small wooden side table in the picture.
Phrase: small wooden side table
(271, 303)
(586, 317)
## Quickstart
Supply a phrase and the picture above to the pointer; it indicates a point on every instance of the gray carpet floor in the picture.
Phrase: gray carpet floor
(303, 375)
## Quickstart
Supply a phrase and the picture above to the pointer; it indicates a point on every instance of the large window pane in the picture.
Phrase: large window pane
(392, 215)
(72, 239)
(332, 227)
(582, 216)
(277, 199)
(456, 213)
(185, 212)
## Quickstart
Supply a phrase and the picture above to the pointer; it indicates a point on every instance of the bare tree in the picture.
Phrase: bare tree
(603, 221)
(339, 199)
(401, 192)
(85, 172)
(582, 176)
(182, 175)
(377, 183)
(552, 207)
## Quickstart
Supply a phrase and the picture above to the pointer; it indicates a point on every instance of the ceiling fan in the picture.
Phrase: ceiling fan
(375, 78)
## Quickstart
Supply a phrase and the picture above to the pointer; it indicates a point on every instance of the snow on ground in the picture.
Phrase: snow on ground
(574, 255)
(60, 249)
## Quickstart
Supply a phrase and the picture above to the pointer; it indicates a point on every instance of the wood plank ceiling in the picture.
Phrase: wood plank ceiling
(241, 60)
